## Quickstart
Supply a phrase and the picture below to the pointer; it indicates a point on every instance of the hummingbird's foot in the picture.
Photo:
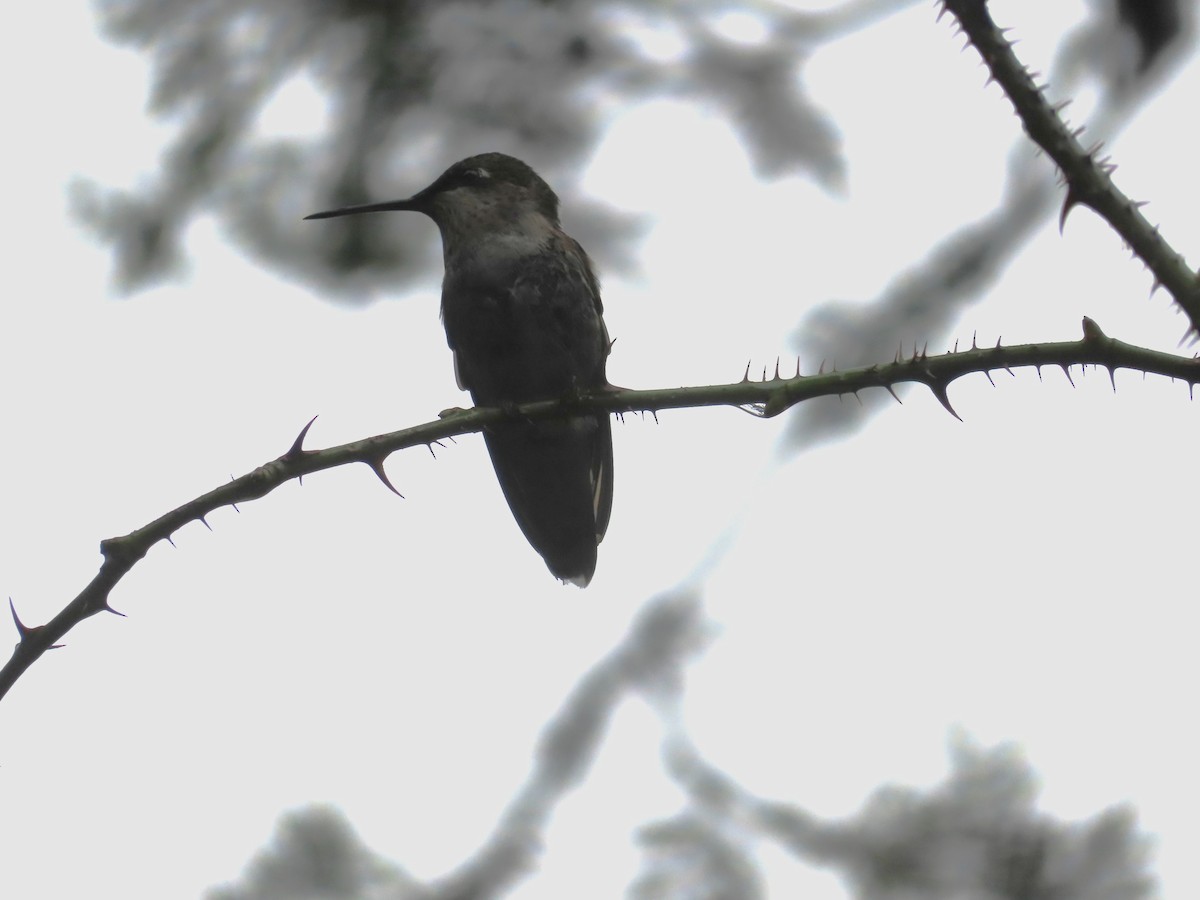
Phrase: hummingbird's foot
(451, 411)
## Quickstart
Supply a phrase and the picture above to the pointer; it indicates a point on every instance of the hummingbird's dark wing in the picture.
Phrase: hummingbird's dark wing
(557, 479)
(530, 331)
(602, 464)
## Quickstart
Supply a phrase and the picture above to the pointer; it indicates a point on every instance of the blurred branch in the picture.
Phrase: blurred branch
(652, 652)
(766, 398)
(1087, 178)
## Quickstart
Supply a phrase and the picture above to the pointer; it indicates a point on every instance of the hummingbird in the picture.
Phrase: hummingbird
(523, 317)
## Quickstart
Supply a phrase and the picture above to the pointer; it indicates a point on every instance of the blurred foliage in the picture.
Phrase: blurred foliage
(978, 834)
(409, 87)
(1154, 23)
(315, 855)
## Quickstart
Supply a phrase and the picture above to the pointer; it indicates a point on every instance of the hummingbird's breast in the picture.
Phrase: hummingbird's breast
(522, 312)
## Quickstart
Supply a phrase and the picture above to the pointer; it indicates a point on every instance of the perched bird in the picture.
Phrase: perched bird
(522, 312)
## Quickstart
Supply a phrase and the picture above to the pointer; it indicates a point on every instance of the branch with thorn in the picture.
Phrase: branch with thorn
(1086, 175)
(765, 398)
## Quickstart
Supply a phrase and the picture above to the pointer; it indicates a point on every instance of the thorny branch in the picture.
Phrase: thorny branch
(766, 398)
(1087, 177)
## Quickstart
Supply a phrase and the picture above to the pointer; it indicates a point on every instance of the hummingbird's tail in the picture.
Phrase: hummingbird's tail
(557, 476)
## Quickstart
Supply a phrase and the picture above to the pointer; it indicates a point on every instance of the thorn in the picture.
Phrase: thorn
(974, 334)
(1039, 371)
(939, 391)
(377, 467)
(925, 351)
(989, 376)
(205, 521)
(1067, 371)
(429, 447)
(1069, 203)
(171, 541)
(764, 378)
(892, 391)
(856, 397)
(22, 630)
(797, 366)
(955, 350)
(654, 412)
(746, 377)
(298, 445)
(899, 351)
(1112, 377)
(115, 612)
(235, 508)
(998, 343)
(821, 371)
(776, 378)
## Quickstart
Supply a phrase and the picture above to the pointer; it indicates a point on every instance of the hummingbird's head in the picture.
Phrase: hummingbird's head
(481, 197)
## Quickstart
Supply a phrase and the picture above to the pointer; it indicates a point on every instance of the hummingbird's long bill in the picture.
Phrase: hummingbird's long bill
(411, 204)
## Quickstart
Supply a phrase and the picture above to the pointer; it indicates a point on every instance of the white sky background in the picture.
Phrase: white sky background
(1026, 574)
